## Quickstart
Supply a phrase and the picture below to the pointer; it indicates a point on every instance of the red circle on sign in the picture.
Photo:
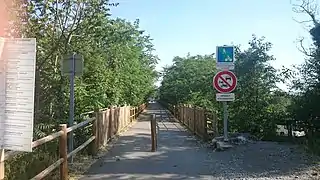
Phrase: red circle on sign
(219, 75)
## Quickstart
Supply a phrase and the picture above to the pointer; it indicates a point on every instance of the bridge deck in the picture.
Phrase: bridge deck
(178, 155)
(181, 156)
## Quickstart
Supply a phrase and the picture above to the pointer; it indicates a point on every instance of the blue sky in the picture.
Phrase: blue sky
(182, 26)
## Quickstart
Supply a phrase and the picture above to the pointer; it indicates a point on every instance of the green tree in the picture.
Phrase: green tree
(119, 65)
(259, 104)
(189, 81)
(306, 87)
(255, 107)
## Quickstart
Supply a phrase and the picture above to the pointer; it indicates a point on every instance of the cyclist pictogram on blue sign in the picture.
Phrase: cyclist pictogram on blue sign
(225, 54)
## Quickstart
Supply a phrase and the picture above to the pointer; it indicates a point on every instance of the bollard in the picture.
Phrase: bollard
(153, 133)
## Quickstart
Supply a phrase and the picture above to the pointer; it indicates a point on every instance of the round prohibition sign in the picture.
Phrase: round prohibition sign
(225, 81)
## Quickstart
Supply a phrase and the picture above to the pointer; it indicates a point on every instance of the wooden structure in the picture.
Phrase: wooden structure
(105, 123)
(153, 127)
(198, 120)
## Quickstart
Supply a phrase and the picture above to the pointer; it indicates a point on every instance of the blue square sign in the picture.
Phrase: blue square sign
(225, 54)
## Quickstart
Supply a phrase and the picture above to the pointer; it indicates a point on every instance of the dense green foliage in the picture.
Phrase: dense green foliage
(119, 69)
(260, 105)
(118, 60)
(189, 81)
(118, 64)
(256, 108)
(306, 87)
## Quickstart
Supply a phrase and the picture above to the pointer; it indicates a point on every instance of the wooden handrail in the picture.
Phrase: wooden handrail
(86, 113)
(83, 123)
(46, 139)
(62, 135)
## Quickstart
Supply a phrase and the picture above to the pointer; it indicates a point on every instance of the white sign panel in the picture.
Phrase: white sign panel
(225, 97)
(17, 81)
(225, 66)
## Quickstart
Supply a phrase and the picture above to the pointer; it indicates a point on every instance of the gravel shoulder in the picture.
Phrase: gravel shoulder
(265, 160)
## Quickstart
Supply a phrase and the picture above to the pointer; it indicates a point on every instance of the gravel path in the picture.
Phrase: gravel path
(264, 160)
(181, 156)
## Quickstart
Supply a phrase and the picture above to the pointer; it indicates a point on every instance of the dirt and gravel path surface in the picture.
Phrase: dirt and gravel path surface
(182, 156)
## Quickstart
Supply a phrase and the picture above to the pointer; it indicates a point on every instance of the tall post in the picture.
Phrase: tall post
(95, 132)
(71, 108)
(225, 121)
(63, 153)
(1, 164)
(153, 127)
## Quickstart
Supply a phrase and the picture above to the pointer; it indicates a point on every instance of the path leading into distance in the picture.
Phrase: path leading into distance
(181, 156)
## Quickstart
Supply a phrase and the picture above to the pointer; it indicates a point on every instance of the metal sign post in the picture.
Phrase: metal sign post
(71, 66)
(225, 121)
(71, 105)
(225, 81)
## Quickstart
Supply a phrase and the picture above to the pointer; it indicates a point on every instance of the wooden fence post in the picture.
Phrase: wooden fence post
(111, 123)
(182, 113)
(63, 153)
(179, 112)
(205, 135)
(195, 117)
(95, 142)
(98, 122)
(126, 119)
(1, 164)
(135, 113)
(153, 133)
(132, 113)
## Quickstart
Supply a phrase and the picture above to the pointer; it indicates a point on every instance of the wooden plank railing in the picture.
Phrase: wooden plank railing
(106, 123)
(198, 120)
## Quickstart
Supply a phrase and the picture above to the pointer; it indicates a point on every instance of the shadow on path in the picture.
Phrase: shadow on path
(177, 156)
(181, 156)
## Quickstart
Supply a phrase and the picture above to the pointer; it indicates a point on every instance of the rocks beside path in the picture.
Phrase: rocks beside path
(219, 144)
(245, 157)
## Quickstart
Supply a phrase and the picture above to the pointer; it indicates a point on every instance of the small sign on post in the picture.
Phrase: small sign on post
(66, 65)
(225, 57)
(225, 81)
(225, 97)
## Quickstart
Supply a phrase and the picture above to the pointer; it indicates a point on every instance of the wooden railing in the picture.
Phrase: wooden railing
(199, 121)
(106, 123)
